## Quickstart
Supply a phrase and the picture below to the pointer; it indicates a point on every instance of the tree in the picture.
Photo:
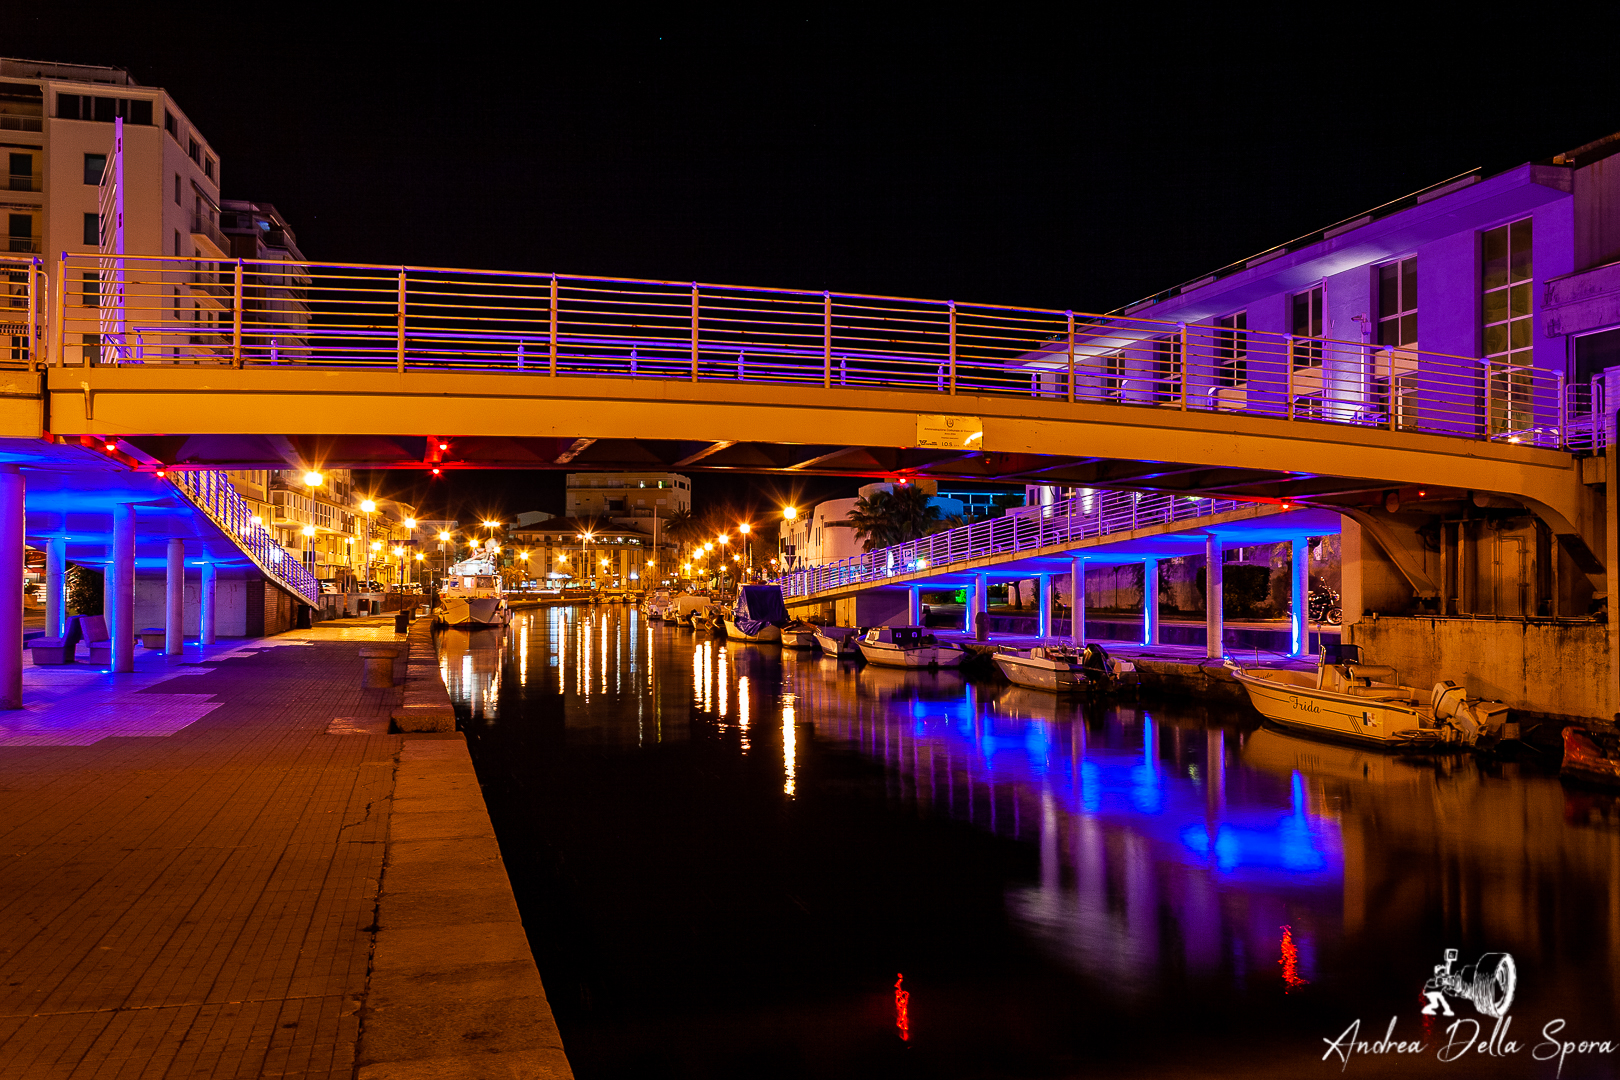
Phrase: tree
(893, 517)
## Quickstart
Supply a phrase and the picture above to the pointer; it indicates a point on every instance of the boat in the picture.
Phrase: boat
(471, 595)
(1062, 669)
(1347, 698)
(657, 603)
(839, 642)
(799, 634)
(909, 647)
(685, 608)
(1589, 757)
(758, 615)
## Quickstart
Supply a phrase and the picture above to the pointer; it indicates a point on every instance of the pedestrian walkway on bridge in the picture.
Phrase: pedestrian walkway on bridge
(221, 865)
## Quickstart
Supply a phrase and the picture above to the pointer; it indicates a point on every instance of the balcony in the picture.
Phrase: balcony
(26, 182)
(10, 121)
(204, 231)
(26, 245)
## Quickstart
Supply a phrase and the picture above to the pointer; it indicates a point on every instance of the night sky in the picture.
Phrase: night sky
(993, 153)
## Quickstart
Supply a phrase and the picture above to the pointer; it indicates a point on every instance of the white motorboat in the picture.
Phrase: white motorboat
(909, 647)
(471, 595)
(657, 603)
(799, 635)
(1346, 698)
(840, 642)
(1061, 669)
(766, 633)
(758, 615)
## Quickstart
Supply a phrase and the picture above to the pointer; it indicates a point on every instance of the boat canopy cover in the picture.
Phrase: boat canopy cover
(759, 606)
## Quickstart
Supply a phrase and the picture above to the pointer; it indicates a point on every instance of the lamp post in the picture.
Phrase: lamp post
(444, 557)
(369, 506)
(789, 513)
(724, 540)
(747, 531)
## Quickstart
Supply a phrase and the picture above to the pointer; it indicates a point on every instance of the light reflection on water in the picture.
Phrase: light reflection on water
(1173, 844)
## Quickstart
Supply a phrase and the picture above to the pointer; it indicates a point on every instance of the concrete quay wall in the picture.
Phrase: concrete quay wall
(1555, 670)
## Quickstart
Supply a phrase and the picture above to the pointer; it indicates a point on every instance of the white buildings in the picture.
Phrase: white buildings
(619, 496)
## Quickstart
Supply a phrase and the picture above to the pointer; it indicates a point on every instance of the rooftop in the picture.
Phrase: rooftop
(11, 67)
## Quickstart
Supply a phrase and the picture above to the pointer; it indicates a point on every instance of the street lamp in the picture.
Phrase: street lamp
(313, 479)
(370, 507)
(747, 531)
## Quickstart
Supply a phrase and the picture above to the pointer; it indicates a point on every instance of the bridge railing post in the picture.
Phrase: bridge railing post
(952, 306)
(1182, 328)
(34, 356)
(399, 337)
(1288, 363)
(1070, 315)
(59, 314)
(236, 318)
(826, 340)
(694, 331)
(553, 325)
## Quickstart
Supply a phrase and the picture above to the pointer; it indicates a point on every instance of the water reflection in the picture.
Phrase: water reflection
(1172, 845)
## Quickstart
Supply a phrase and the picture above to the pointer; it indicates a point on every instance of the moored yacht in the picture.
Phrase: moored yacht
(909, 647)
(471, 595)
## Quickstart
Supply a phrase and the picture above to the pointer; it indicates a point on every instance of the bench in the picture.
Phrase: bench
(55, 652)
(92, 631)
(153, 637)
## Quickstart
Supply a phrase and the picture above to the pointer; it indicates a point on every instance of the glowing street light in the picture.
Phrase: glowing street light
(309, 530)
(313, 479)
(369, 506)
(790, 512)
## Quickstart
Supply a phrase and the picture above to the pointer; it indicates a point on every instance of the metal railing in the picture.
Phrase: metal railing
(232, 312)
(1080, 517)
(211, 492)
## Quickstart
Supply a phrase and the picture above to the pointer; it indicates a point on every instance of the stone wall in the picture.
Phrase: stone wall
(1556, 669)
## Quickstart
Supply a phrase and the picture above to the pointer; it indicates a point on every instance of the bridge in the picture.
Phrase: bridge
(1046, 543)
(182, 364)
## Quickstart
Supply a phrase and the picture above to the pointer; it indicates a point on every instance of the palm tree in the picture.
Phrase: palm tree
(895, 516)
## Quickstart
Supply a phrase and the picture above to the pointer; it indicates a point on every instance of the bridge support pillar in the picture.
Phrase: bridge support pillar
(1043, 617)
(1150, 601)
(1300, 616)
(914, 605)
(11, 577)
(174, 599)
(56, 588)
(209, 608)
(1077, 601)
(1214, 598)
(119, 604)
(981, 606)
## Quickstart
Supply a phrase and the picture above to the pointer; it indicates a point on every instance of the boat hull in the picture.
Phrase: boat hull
(798, 639)
(926, 656)
(1299, 706)
(1586, 761)
(472, 611)
(840, 647)
(769, 633)
(1056, 676)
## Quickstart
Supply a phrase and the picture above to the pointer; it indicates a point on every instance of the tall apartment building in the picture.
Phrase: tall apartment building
(56, 127)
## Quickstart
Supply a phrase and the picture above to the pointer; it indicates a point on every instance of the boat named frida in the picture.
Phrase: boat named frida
(1347, 698)
(471, 595)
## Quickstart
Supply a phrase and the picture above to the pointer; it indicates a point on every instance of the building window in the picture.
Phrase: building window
(177, 252)
(20, 232)
(1232, 349)
(171, 124)
(1397, 304)
(208, 167)
(94, 166)
(92, 230)
(195, 152)
(22, 172)
(177, 201)
(92, 288)
(1505, 275)
(92, 349)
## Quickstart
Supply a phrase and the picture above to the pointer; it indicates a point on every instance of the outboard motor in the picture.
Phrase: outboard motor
(1094, 664)
(1473, 720)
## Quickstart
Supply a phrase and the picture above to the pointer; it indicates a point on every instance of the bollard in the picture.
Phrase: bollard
(379, 671)
(402, 621)
(981, 626)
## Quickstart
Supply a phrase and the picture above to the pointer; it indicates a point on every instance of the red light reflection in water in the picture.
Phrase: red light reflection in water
(1290, 962)
(902, 1007)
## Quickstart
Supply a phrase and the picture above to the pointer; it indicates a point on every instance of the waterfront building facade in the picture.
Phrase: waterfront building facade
(619, 496)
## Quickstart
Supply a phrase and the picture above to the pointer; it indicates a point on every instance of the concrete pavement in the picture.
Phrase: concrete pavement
(224, 866)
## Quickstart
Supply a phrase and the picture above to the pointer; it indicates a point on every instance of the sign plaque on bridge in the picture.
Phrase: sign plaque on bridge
(949, 431)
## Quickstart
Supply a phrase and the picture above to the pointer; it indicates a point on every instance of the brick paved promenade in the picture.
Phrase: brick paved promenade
(203, 900)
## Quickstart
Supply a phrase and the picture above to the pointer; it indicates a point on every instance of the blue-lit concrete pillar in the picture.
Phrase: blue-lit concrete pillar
(1301, 607)
(174, 598)
(11, 577)
(1043, 616)
(1214, 598)
(56, 588)
(981, 606)
(914, 605)
(119, 604)
(1150, 601)
(209, 606)
(1077, 605)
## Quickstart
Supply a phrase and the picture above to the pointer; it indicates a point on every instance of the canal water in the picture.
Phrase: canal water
(741, 861)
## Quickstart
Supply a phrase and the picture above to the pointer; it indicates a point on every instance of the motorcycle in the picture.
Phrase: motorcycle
(1324, 607)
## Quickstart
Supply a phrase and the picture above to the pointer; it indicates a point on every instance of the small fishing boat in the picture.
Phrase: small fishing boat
(799, 635)
(1061, 669)
(1347, 698)
(1590, 757)
(471, 595)
(839, 642)
(909, 647)
(657, 602)
(758, 615)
